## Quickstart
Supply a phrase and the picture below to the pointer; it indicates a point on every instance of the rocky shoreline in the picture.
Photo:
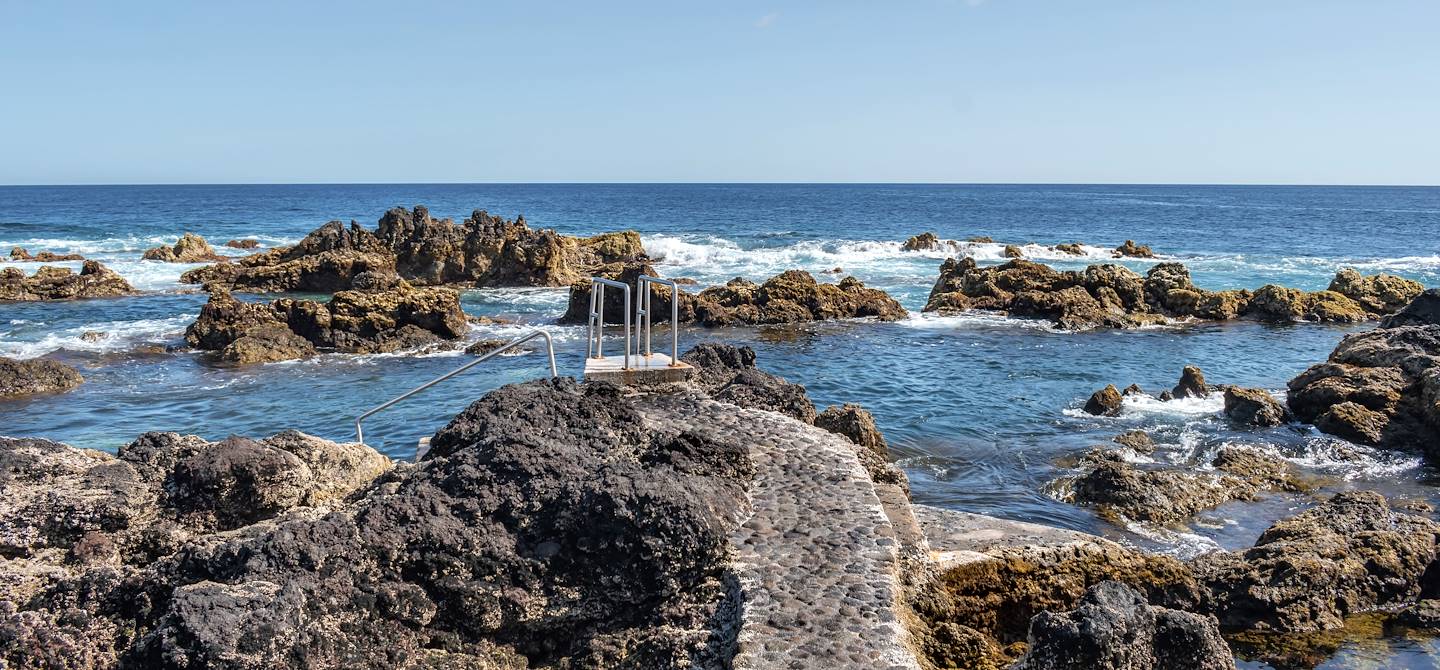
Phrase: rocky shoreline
(556, 525)
(1114, 296)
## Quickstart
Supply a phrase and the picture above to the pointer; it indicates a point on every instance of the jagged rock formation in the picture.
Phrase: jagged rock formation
(1254, 407)
(926, 241)
(352, 321)
(792, 296)
(243, 244)
(56, 283)
(1113, 628)
(1380, 387)
(1112, 296)
(21, 254)
(28, 377)
(483, 250)
(190, 248)
(1131, 250)
(1350, 554)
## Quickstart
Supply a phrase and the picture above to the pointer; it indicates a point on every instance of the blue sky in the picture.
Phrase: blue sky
(904, 90)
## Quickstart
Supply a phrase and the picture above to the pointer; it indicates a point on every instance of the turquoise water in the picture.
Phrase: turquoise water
(976, 407)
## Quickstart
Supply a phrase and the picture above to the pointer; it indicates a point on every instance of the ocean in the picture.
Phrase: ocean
(978, 409)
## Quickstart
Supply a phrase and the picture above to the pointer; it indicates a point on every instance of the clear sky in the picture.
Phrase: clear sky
(1214, 91)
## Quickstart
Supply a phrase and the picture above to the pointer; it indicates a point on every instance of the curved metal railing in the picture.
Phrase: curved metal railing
(642, 316)
(549, 347)
(596, 326)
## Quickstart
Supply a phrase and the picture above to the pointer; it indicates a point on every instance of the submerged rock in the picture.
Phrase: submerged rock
(351, 322)
(1138, 441)
(1163, 496)
(1112, 296)
(190, 248)
(28, 377)
(1113, 627)
(1378, 387)
(482, 250)
(57, 283)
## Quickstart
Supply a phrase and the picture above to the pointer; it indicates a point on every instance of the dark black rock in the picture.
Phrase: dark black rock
(1114, 628)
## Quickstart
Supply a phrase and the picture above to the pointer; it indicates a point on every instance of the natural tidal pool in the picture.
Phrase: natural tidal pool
(981, 411)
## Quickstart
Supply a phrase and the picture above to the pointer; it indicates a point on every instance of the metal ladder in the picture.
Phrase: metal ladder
(549, 347)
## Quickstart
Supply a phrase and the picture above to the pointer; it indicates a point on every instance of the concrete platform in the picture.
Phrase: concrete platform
(652, 369)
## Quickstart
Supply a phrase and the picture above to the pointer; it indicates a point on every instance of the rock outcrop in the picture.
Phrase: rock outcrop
(926, 241)
(1131, 250)
(792, 296)
(57, 283)
(243, 244)
(23, 255)
(1254, 407)
(1379, 387)
(483, 250)
(190, 248)
(351, 322)
(1351, 554)
(1112, 296)
(1378, 294)
(1113, 627)
(29, 377)
(547, 528)
(1105, 402)
(1117, 488)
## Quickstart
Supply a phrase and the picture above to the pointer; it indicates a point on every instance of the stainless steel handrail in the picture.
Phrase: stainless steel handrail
(596, 330)
(642, 316)
(549, 346)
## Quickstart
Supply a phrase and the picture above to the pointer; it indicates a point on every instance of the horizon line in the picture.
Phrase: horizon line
(719, 183)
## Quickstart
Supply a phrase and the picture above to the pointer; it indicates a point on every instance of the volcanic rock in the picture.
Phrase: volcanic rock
(27, 377)
(191, 248)
(1112, 296)
(1192, 384)
(1253, 407)
(1113, 627)
(21, 254)
(1378, 387)
(548, 526)
(351, 322)
(1377, 294)
(1132, 250)
(792, 296)
(926, 241)
(1164, 496)
(1105, 402)
(1306, 573)
(57, 283)
(483, 250)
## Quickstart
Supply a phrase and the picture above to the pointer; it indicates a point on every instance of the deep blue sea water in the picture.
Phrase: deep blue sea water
(977, 408)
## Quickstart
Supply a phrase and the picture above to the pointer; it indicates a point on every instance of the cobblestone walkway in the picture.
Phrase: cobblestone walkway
(817, 558)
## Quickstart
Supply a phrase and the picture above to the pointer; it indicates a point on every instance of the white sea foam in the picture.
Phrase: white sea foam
(710, 256)
(972, 320)
(115, 336)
